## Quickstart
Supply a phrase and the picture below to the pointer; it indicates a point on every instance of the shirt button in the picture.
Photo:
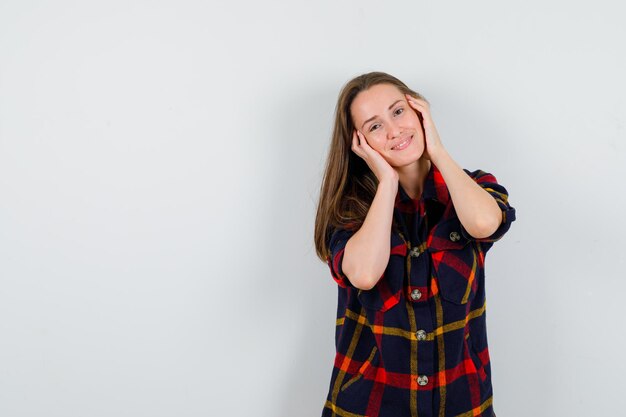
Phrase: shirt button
(415, 252)
(421, 335)
(416, 294)
(422, 380)
(454, 236)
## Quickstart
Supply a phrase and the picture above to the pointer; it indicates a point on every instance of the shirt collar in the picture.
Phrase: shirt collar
(434, 189)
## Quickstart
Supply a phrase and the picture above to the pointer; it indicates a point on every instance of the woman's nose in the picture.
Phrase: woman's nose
(394, 131)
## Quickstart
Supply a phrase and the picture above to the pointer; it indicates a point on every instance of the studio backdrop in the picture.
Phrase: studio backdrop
(160, 164)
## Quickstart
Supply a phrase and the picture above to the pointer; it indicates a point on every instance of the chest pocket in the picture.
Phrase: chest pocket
(455, 262)
(388, 291)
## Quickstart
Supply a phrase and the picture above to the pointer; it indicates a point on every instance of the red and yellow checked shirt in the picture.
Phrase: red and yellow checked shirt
(416, 343)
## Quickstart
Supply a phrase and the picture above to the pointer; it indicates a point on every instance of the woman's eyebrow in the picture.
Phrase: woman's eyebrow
(373, 117)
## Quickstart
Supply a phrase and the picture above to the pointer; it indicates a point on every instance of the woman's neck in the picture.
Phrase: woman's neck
(412, 177)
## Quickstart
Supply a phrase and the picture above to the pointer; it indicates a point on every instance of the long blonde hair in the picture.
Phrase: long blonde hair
(348, 185)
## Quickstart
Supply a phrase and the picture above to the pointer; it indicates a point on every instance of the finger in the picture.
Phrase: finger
(363, 141)
(360, 136)
(364, 149)
(355, 143)
(423, 109)
(355, 139)
(418, 101)
(417, 106)
(356, 148)
(422, 99)
(414, 102)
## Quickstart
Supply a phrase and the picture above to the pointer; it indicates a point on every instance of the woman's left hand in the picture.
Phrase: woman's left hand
(433, 146)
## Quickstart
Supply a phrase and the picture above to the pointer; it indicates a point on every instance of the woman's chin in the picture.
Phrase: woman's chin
(408, 158)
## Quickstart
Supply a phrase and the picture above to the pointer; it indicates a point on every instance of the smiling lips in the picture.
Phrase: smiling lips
(402, 144)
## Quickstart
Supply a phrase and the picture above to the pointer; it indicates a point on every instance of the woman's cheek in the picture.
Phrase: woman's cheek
(376, 143)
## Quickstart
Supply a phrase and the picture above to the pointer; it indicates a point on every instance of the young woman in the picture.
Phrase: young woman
(404, 230)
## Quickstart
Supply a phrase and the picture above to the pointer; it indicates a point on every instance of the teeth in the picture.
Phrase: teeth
(400, 144)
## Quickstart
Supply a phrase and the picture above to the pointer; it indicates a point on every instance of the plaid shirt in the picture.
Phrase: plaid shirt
(416, 343)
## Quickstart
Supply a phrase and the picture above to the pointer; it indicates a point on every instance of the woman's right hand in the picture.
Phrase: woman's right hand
(379, 166)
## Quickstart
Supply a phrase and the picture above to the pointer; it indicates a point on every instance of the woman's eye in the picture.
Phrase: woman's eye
(399, 110)
(373, 127)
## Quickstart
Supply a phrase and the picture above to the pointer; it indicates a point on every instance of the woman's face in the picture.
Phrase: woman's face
(383, 115)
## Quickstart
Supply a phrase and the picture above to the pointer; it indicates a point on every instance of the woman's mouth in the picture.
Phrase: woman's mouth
(403, 144)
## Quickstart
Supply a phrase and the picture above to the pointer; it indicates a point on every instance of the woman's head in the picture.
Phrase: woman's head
(366, 96)
(389, 124)
(349, 186)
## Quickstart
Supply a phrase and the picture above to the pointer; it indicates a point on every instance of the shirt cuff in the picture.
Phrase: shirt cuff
(337, 244)
(489, 183)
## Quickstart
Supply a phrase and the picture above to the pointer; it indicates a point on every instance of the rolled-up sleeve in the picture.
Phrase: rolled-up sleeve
(489, 183)
(338, 239)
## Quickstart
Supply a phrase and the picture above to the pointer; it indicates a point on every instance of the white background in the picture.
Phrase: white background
(160, 163)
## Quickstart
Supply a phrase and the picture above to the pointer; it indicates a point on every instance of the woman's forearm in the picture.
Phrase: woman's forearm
(477, 210)
(366, 253)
